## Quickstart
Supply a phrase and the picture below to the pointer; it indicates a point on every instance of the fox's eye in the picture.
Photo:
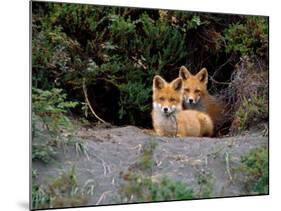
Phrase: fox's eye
(197, 91)
(161, 98)
(172, 99)
(187, 90)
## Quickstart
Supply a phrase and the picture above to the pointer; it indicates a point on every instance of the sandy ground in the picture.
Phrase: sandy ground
(113, 151)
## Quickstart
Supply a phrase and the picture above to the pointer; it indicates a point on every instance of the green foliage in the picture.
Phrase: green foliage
(53, 55)
(255, 165)
(168, 189)
(121, 49)
(252, 111)
(249, 37)
(49, 110)
(205, 181)
(39, 196)
(145, 163)
(140, 188)
(131, 99)
(51, 106)
(62, 191)
(43, 149)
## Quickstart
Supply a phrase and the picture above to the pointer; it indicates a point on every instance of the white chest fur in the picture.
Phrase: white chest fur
(167, 125)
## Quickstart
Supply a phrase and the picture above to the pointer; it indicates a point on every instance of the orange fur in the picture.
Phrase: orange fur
(196, 96)
(168, 117)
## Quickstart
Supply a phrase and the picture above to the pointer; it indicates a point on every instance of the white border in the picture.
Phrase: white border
(14, 60)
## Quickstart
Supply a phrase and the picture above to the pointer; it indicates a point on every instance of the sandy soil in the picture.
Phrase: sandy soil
(113, 151)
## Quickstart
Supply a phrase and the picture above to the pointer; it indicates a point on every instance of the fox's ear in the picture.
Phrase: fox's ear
(202, 75)
(184, 73)
(177, 84)
(158, 82)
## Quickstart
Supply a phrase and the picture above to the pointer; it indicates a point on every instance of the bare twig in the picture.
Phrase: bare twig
(102, 197)
(227, 165)
(139, 147)
(103, 164)
(218, 82)
(88, 102)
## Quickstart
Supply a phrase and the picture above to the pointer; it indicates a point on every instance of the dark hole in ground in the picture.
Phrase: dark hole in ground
(104, 98)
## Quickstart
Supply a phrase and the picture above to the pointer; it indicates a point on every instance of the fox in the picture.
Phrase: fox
(196, 95)
(168, 116)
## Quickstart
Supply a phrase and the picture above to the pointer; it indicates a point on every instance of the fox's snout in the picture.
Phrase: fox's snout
(165, 109)
(168, 109)
(191, 100)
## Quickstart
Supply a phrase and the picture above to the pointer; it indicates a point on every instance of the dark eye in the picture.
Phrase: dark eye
(187, 90)
(197, 91)
(161, 98)
(172, 99)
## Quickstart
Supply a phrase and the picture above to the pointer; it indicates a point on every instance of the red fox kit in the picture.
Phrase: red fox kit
(167, 115)
(196, 96)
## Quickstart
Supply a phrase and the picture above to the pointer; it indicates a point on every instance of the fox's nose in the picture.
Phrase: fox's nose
(190, 101)
(165, 109)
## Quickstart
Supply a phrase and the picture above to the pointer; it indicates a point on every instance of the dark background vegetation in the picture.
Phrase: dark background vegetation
(119, 50)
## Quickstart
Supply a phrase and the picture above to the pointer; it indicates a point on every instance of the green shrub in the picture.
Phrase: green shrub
(49, 110)
(125, 51)
(53, 55)
(168, 189)
(119, 50)
(249, 37)
(140, 188)
(248, 104)
(255, 165)
(251, 112)
(51, 106)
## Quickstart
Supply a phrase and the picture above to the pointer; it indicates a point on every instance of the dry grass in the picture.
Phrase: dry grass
(246, 97)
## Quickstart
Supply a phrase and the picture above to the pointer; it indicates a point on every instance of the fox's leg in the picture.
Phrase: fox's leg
(159, 131)
(206, 123)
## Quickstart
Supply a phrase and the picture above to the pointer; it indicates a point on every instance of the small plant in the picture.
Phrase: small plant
(205, 181)
(247, 105)
(168, 189)
(137, 187)
(39, 197)
(255, 165)
(146, 162)
(49, 109)
(62, 191)
(140, 188)
(51, 106)
(251, 111)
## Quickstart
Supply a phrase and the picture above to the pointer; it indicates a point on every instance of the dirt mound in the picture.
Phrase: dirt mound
(111, 152)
